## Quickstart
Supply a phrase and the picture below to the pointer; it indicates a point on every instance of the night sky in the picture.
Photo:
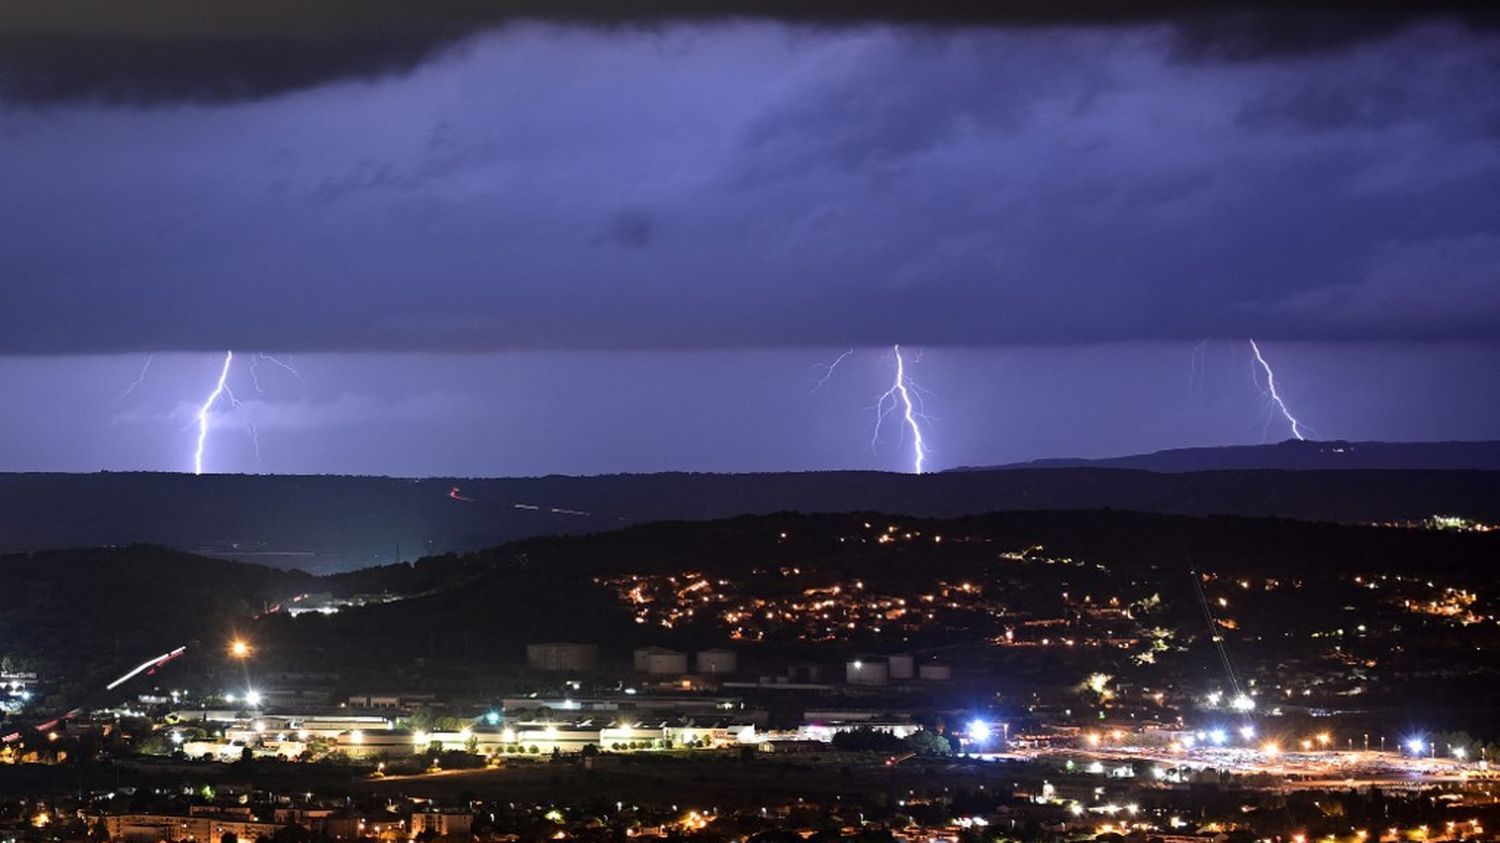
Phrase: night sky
(516, 245)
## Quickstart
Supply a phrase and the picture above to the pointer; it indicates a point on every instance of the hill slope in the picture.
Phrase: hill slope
(329, 523)
(1295, 455)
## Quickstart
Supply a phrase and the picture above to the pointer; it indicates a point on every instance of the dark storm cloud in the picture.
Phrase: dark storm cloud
(756, 184)
(206, 51)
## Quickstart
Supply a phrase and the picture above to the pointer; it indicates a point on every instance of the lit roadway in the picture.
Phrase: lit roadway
(1317, 769)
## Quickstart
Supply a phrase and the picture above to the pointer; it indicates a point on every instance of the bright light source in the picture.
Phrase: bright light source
(1247, 731)
(253, 698)
(979, 731)
(1416, 745)
(1271, 748)
(1243, 703)
(1218, 737)
(239, 648)
(492, 718)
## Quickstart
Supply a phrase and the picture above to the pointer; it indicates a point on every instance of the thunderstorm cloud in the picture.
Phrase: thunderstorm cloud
(508, 176)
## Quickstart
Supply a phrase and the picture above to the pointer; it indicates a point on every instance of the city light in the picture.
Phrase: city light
(253, 698)
(1247, 731)
(1218, 737)
(1416, 745)
(979, 731)
(239, 648)
(1243, 703)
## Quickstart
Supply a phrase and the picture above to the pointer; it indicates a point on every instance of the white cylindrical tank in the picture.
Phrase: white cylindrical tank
(902, 666)
(865, 671)
(717, 661)
(666, 662)
(641, 659)
(935, 672)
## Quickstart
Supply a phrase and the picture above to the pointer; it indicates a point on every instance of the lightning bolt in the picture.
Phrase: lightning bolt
(203, 411)
(223, 389)
(1195, 365)
(140, 378)
(283, 364)
(1273, 394)
(255, 361)
(828, 369)
(900, 396)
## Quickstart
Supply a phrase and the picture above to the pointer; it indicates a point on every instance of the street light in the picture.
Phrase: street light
(979, 731)
(240, 648)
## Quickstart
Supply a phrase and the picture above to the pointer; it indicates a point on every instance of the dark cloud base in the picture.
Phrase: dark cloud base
(214, 51)
(624, 185)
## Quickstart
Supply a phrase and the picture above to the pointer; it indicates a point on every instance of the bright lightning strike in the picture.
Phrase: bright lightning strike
(900, 396)
(203, 411)
(1274, 395)
(223, 389)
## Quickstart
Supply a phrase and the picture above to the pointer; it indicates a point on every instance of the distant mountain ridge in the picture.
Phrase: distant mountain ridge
(1293, 455)
(333, 523)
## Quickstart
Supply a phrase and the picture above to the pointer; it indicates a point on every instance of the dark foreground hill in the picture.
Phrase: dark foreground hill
(329, 523)
(1295, 455)
(94, 614)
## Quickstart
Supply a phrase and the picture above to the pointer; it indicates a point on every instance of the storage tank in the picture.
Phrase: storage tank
(902, 666)
(866, 671)
(666, 663)
(561, 656)
(641, 659)
(935, 672)
(717, 661)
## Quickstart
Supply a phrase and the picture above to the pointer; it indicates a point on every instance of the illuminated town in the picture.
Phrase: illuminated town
(909, 678)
